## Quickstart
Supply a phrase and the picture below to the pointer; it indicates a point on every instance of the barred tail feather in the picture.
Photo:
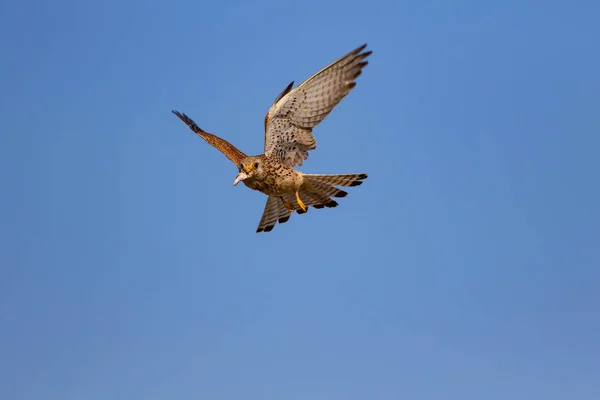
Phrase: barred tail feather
(337, 180)
(317, 199)
(318, 189)
(274, 212)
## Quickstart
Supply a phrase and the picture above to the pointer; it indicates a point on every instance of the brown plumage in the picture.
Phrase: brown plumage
(288, 139)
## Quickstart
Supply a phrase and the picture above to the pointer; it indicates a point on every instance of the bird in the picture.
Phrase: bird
(288, 138)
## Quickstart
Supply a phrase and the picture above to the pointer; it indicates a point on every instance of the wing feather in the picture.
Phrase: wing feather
(289, 122)
(229, 150)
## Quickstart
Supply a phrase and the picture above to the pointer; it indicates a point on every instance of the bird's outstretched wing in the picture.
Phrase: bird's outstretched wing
(222, 145)
(293, 115)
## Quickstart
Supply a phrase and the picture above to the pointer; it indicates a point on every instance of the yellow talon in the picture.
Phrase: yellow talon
(300, 203)
(288, 206)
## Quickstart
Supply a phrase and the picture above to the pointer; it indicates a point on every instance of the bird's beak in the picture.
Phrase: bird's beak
(240, 177)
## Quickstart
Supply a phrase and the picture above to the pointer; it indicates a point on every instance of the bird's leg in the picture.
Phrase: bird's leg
(288, 206)
(300, 203)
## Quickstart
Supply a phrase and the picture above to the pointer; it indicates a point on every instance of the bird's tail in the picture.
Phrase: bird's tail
(336, 180)
(274, 212)
(318, 189)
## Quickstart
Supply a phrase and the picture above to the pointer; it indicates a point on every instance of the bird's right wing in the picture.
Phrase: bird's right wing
(295, 112)
(222, 145)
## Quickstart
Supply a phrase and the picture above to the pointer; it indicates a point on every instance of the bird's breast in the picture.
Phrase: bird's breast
(275, 181)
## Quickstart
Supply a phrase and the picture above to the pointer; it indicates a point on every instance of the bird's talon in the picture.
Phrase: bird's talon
(300, 203)
(288, 206)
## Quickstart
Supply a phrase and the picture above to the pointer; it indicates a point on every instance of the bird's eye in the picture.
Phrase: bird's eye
(255, 165)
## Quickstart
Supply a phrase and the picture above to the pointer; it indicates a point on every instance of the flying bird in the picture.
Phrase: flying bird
(288, 139)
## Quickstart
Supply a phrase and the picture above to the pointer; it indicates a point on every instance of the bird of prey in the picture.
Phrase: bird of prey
(288, 139)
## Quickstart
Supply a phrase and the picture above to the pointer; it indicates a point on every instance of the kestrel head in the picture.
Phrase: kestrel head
(248, 168)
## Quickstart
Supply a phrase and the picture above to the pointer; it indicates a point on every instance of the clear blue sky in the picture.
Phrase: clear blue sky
(466, 266)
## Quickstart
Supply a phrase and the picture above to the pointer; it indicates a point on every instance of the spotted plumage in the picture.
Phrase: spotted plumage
(288, 139)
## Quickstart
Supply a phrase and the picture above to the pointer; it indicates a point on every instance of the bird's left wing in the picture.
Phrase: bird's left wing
(222, 145)
(293, 115)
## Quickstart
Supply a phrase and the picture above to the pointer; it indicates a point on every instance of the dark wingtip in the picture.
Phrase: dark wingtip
(363, 176)
(283, 219)
(356, 183)
(285, 91)
(340, 193)
(359, 49)
(358, 52)
(359, 72)
(181, 116)
(331, 204)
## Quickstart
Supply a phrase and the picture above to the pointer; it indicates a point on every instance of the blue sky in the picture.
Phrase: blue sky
(466, 266)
